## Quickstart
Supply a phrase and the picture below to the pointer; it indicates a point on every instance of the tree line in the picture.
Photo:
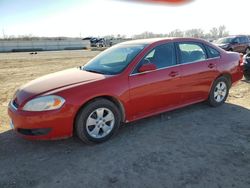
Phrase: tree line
(214, 33)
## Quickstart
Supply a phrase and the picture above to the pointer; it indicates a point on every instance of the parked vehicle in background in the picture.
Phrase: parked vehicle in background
(96, 42)
(238, 43)
(105, 42)
(124, 83)
(247, 66)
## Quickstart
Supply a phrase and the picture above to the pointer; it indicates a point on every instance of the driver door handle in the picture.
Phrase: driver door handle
(173, 74)
(211, 65)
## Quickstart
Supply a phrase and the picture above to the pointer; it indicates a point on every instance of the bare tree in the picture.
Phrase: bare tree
(218, 32)
(147, 34)
(197, 33)
(176, 33)
(4, 36)
(222, 31)
(214, 32)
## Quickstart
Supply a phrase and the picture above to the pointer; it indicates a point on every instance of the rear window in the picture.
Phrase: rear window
(191, 52)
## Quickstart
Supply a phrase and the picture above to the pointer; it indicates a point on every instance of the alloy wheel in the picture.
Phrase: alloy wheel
(220, 92)
(100, 122)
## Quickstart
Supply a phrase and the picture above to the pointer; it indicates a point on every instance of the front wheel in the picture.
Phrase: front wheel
(219, 92)
(97, 121)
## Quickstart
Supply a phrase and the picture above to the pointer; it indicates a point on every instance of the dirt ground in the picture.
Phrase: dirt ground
(197, 146)
(17, 69)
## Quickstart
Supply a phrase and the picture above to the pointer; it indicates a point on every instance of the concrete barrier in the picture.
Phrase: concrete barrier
(42, 45)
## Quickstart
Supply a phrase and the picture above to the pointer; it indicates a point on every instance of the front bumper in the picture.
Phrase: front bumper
(49, 125)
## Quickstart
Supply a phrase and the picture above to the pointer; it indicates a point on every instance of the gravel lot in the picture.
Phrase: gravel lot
(197, 146)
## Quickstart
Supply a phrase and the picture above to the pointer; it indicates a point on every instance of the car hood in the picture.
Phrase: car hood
(55, 81)
(221, 44)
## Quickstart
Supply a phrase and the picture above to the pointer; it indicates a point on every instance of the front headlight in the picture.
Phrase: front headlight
(51, 102)
(224, 46)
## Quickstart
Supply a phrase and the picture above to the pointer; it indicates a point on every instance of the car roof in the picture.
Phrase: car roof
(234, 36)
(156, 40)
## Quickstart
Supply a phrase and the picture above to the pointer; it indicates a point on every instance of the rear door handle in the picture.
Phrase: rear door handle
(211, 65)
(173, 74)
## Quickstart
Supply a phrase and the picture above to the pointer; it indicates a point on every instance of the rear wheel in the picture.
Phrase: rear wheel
(219, 92)
(97, 121)
(247, 74)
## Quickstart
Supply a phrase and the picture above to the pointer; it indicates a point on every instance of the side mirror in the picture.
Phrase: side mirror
(147, 67)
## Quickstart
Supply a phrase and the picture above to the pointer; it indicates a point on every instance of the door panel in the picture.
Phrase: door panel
(197, 72)
(197, 79)
(237, 46)
(157, 90)
(243, 41)
(154, 91)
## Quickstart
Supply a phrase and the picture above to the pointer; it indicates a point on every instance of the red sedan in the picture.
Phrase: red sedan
(127, 82)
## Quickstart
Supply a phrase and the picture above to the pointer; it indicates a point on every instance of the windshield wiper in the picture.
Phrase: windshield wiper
(94, 71)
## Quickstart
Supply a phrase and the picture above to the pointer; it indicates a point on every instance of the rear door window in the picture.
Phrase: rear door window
(245, 39)
(237, 40)
(191, 52)
(242, 40)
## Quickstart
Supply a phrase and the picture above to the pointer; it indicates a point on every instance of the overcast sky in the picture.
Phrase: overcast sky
(74, 18)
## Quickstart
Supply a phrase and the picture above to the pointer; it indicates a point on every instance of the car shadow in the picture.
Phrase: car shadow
(246, 81)
(190, 146)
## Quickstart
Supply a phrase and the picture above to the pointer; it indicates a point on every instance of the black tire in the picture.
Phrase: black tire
(211, 100)
(84, 114)
(247, 74)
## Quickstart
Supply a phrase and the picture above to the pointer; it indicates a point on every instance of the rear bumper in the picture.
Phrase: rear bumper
(48, 125)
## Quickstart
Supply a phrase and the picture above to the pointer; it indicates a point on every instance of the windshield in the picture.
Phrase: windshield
(114, 60)
(224, 40)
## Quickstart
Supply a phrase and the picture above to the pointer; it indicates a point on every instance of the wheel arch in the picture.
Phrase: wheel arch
(118, 103)
(225, 75)
(114, 100)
